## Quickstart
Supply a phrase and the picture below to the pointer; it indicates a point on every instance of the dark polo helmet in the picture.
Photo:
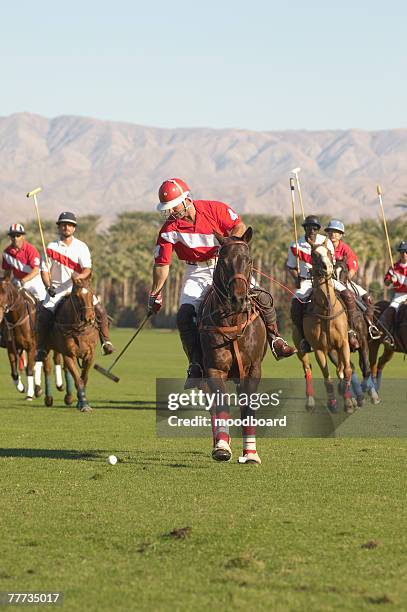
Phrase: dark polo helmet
(311, 220)
(67, 217)
(402, 248)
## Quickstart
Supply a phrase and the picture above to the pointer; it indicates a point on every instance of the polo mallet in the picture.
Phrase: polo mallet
(294, 223)
(379, 195)
(33, 194)
(295, 171)
(108, 372)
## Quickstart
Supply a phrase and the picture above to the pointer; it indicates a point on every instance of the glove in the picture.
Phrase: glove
(393, 276)
(155, 301)
(51, 291)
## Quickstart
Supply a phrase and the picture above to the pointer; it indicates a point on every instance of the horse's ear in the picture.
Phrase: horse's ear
(221, 239)
(248, 235)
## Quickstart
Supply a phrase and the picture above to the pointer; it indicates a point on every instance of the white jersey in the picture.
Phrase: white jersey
(65, 260)
(304, 254)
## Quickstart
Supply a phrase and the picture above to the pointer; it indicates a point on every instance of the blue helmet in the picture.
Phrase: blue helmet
(336, 225)
(402, 248)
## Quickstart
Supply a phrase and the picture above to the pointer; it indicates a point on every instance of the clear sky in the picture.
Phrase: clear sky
(262, 65)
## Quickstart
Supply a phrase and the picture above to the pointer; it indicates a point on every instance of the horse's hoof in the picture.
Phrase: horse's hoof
(360, 400)
(349, 408)
(37, 391)
(374, 396)
(333, 406)
(250, 459)
(310, 404)
(87, 409)
(222, 451)
(60, 388)
(20, 387)
(68, 399)
(354, 402)
(49, 400)
(28, 398)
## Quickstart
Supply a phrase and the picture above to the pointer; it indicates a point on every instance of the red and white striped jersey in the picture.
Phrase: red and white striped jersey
(304, 254)
(195, 241)
(400, 270)
(21, 261)
(65, 260)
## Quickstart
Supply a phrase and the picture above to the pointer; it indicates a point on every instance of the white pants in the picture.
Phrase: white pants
(398, 299)
(195, 282)
(50, 303)
(36, 287)
(304, 292)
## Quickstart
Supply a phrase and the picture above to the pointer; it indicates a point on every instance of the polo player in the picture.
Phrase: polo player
(69, 259)
(302, 278)
(397, 277)
(21, 263)
(347, 261)
(189, 231)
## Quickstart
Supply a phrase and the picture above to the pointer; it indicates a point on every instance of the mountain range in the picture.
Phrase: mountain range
(103, 167)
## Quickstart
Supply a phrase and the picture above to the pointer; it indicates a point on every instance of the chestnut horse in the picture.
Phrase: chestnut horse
(75, 335)
(326, 326)
(233, 335)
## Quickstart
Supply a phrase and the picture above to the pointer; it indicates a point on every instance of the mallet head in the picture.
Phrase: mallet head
(34, 192)
(296, 170)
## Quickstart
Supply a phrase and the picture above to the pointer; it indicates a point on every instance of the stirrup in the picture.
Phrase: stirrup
(374, 332)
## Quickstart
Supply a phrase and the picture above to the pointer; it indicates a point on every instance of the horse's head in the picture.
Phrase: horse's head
(322, 261)
(234, 268)
(83, 295)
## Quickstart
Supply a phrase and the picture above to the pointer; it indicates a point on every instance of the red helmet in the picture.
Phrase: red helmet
(171, 193)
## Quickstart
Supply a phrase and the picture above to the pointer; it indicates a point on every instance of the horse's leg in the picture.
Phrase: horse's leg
(374, 346)
(58, 371)
(344, 370)
(70, 386)
(249, 386)
(384, 359)
(307, 369)
(37, 378)
(364, 364)
(48, 399)
(70, 363)
(30, 372)
(13, 359)
(320, 356)
(219, 414)
(86, 364)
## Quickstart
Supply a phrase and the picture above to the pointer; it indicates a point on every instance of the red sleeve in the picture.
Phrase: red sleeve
(5, 265)
(33, 258)
(163, 251)
(351, 259)
(387, 276)
(226, 216)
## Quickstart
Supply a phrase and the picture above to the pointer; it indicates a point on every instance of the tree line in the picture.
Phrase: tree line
(122, 257)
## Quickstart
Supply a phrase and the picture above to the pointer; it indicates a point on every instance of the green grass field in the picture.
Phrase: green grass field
(319, 526)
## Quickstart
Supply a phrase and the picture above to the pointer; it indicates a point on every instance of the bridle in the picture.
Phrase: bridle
(223, 290)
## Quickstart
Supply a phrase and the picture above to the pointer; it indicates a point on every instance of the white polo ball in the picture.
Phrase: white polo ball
(112, 459)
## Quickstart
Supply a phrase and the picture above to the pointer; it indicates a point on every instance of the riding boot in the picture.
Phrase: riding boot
(103, 325)
(191, 342)
(297, 315)
(278, 345)
(387, 322)
(351, 309)
(44, 324)
(374, 332)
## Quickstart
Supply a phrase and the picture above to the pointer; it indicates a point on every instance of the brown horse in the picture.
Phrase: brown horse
(326, 326)
(17, 314)
(399, 333)
(233, 337)
(75, 335)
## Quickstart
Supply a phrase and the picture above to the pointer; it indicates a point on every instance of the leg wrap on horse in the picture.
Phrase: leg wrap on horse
(264, 301)
(103, 325)
(188, 331)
